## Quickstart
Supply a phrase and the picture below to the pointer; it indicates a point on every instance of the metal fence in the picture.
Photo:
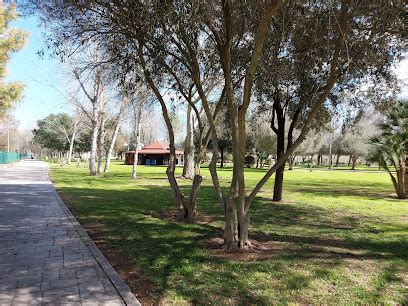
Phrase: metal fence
(11, 157)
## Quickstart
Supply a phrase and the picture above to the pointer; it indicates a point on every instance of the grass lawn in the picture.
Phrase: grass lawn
(339, 237)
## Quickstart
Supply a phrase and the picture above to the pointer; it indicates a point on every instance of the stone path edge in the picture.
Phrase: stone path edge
(123, 289)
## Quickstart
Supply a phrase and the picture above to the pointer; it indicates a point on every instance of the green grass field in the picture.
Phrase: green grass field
(338, 237)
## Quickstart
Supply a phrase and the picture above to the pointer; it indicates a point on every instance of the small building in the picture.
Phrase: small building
(155, 153)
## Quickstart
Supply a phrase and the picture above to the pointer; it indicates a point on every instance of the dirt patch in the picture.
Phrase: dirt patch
(298, 240)
(163, 214)
(144, 290)
(259, 251)
(170, 215)
(404, 219)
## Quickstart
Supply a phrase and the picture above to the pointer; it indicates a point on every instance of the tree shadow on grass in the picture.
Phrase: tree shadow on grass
(371, 193)
(171, 256)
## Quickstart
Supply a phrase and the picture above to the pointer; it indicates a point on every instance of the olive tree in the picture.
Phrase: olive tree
(187, 44)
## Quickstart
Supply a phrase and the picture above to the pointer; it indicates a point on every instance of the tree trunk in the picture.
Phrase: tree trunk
(406, 168)
(101, 142)
(71, 147)
(178, 195)
(243, 231)
(244, 221)
(111, 146)
(280, 150)
(94, 145)
(222, 156)
(354, 161)
(188, 168)
(236, 236)
(349, 161)
(400, 183)
(291, 161)
(231, 226)
(136, 157)
(330, 152)
(337, 160)
(278, 184)
(191, 206)
(311, 163)
(197, 167)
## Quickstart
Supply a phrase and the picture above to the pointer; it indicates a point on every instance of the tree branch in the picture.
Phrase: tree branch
(315, 108)
(263, 28)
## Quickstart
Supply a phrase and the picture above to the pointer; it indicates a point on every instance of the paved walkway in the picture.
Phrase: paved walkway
(45, 255)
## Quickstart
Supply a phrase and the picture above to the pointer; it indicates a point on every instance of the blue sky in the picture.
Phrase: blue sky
(45, 83)
(41, 77)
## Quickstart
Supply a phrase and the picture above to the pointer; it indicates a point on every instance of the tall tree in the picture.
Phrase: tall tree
(294, 66)
(117, 120)
(54, 132)
(137, 105)
(92, 87)
(188, 166)
(76, 123)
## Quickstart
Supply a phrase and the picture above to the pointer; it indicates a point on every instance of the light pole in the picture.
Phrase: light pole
(18, 141)
(8, 134)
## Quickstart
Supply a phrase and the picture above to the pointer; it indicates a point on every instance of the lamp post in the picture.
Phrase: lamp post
(8, 134)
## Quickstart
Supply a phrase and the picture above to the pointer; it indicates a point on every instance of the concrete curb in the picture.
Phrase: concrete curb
(123, 289)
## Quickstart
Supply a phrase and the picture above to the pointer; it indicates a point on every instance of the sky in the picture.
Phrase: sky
(45, 83)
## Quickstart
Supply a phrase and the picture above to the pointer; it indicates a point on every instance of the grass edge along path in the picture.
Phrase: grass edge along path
(337, 238)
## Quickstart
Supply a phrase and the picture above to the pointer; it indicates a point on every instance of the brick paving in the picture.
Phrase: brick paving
(46, 258)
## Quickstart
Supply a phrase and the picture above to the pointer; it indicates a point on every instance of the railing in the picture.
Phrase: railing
(11, 157)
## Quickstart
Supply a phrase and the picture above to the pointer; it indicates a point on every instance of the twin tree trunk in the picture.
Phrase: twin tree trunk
(186, 208)
(337, 160)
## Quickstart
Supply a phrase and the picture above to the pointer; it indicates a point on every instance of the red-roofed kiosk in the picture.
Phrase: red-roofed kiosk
(155, 153)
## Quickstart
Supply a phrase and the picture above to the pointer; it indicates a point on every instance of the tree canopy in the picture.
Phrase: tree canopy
(11, 40)
(54, 132)
(297, 55)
